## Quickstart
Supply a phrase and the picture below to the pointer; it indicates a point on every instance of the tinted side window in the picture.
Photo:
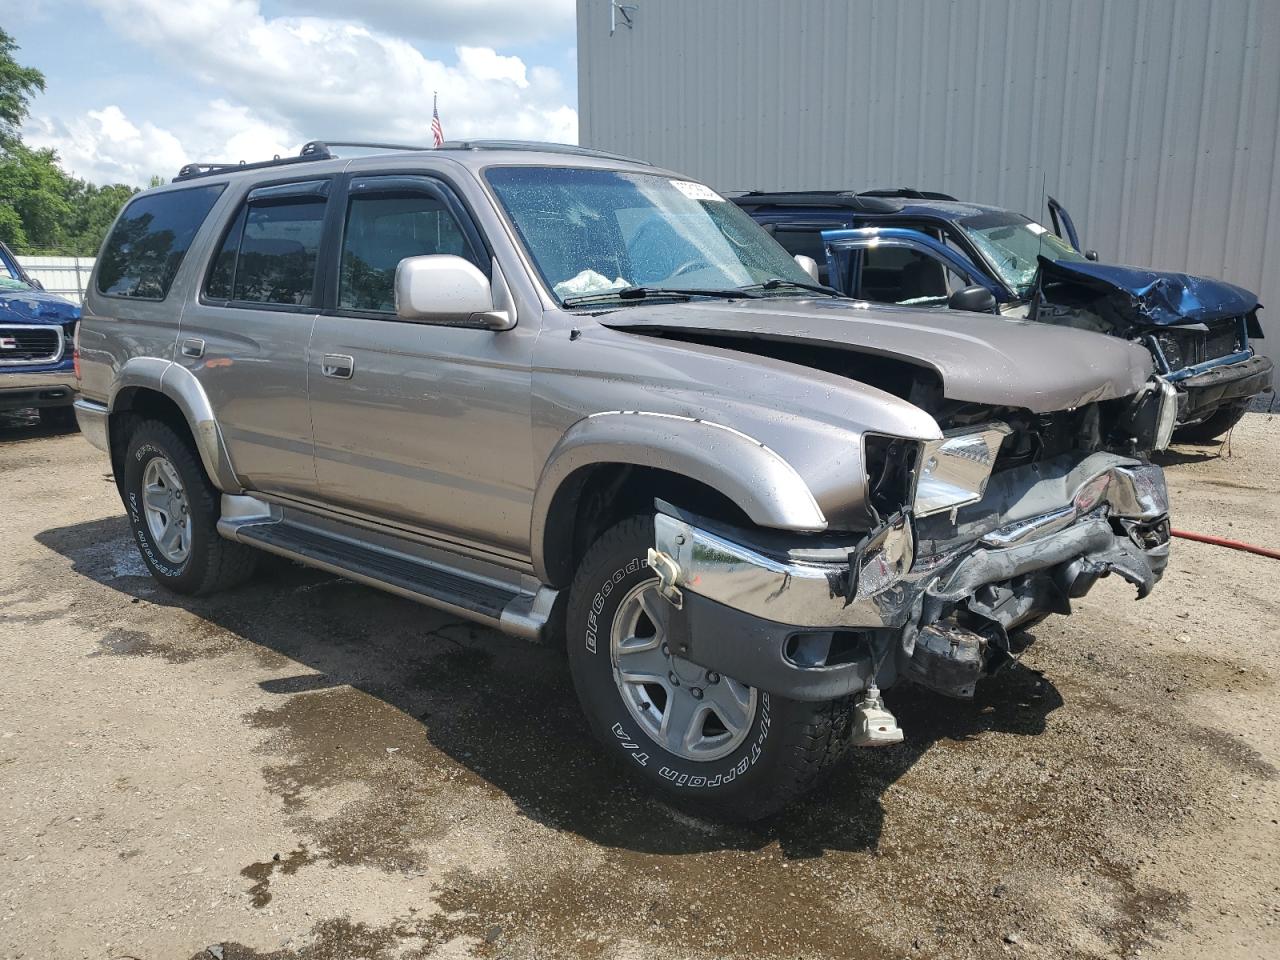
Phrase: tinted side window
(147, 244)
(269, 254)
(381, 231)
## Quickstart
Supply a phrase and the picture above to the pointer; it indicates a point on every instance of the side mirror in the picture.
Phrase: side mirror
(1091, 254)
(808, 265)
(974, 299)
(448, 290)
(37, 284)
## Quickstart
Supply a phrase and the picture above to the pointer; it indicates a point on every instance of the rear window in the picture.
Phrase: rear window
(145, 249)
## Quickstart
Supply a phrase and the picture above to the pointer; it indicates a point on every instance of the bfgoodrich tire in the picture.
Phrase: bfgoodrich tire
(173, 510)
(705, 742)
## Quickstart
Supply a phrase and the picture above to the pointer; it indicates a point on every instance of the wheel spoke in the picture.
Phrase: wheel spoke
(641, 660)
(682, 721)
(156, 497)
(171, 537)
(731, 701)
(656, 609)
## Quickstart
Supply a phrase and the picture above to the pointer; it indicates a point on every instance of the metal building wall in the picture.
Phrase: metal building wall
(1156, 122)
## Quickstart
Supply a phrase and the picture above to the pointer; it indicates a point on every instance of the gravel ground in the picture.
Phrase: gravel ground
(305, 769)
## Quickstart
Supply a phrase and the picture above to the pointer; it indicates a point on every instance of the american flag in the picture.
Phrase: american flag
(437, 131)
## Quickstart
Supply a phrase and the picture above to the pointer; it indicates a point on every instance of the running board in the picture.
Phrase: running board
(499, 600)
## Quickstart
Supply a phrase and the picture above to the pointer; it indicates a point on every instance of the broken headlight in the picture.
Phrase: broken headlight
(954, 470)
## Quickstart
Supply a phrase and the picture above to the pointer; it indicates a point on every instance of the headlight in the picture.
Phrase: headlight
(954, 470)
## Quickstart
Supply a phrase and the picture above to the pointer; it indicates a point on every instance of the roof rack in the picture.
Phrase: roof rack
(320, 150)
(313, 150)
(537, 146)
(907, 193)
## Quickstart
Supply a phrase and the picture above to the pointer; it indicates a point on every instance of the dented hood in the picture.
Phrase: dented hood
(980, 359)
(23, 304)
(1156, 297)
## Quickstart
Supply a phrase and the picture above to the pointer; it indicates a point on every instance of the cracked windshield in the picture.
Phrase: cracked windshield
(1012, 245)
(593, 232)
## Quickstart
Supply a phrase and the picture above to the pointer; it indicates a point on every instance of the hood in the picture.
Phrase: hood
(1159, 298)
(29, 305)
(980, 359)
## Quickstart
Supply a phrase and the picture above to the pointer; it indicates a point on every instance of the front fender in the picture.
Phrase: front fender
(178, 384)
(753, 476)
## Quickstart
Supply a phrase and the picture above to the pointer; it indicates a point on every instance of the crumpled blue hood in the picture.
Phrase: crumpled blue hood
(29, 305)
(1160, 298)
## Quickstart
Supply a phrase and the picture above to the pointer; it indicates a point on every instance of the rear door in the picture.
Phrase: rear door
(245, 336)
(421, 425)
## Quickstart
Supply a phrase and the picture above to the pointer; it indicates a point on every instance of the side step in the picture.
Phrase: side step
(486, 600)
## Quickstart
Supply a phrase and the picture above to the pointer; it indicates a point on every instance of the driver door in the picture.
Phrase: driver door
(419, 425)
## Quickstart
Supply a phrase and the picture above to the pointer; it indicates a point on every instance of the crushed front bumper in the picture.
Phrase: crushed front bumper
(793, 620)
(1216, 387)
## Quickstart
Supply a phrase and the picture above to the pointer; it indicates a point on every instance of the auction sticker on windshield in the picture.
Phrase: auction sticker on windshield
(696, 191)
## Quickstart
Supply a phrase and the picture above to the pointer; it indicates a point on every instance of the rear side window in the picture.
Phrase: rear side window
(269, 254)
(147, 244)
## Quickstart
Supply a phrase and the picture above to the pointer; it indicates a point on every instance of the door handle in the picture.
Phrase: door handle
(338, 365)
(193, 347)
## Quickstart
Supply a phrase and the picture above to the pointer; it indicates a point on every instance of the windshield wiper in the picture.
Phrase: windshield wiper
(778, 282)
(642, 293)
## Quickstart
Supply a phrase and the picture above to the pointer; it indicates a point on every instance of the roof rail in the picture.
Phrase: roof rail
(907, 193)
(537, 146)
(324, 145)
(312, 151)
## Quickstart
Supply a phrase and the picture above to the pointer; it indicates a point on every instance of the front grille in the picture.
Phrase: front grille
(21, 344)
(1222, 340)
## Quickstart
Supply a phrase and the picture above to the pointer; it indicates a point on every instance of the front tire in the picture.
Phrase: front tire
(174, 510)
(705, 742)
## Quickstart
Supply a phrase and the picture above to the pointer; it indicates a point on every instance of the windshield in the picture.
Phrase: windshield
(596, 231)
(1011, 243)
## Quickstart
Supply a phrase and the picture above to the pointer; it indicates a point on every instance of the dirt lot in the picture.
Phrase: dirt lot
(305, 768)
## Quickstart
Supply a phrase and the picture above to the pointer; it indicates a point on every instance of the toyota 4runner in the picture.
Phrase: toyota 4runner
(562, 393)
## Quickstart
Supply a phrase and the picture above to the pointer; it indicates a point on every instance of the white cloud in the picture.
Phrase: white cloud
(491, 22)
(286, 80)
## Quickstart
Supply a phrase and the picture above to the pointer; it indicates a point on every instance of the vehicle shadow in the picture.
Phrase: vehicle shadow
(1180, 454)
(505, 709)
(17, 426)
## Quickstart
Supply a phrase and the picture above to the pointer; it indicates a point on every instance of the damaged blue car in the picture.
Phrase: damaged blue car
(37, 331)
(923, 249)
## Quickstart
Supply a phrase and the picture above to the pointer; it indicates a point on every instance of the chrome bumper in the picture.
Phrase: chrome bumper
(92, 418)
(989, 548)
(35, 388)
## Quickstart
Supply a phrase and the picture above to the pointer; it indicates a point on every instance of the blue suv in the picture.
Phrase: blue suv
(37, 332)
(923, 249)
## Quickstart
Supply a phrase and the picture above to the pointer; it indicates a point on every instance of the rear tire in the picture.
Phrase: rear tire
(1213, 427)
(173, 509)
(734, 771)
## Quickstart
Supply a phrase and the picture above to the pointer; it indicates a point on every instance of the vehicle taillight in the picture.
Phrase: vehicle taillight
(75, 351)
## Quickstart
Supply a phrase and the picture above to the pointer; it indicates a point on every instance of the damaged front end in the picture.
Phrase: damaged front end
(1199, 331)
(938, 593)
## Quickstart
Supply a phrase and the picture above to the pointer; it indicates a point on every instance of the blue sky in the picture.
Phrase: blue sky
(138, 87)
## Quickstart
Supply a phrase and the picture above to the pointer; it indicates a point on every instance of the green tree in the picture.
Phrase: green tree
(18, 84)
(41, 205)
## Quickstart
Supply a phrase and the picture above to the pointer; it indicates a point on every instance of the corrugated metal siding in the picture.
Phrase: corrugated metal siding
(1156, 122)
(66, 276)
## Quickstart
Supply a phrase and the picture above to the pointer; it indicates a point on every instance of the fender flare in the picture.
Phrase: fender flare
(178, 384)
(753, 476)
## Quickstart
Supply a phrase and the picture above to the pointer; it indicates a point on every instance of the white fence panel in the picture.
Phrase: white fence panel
(66, 276)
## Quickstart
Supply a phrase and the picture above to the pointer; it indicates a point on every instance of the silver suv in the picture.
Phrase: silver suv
(570, 395)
